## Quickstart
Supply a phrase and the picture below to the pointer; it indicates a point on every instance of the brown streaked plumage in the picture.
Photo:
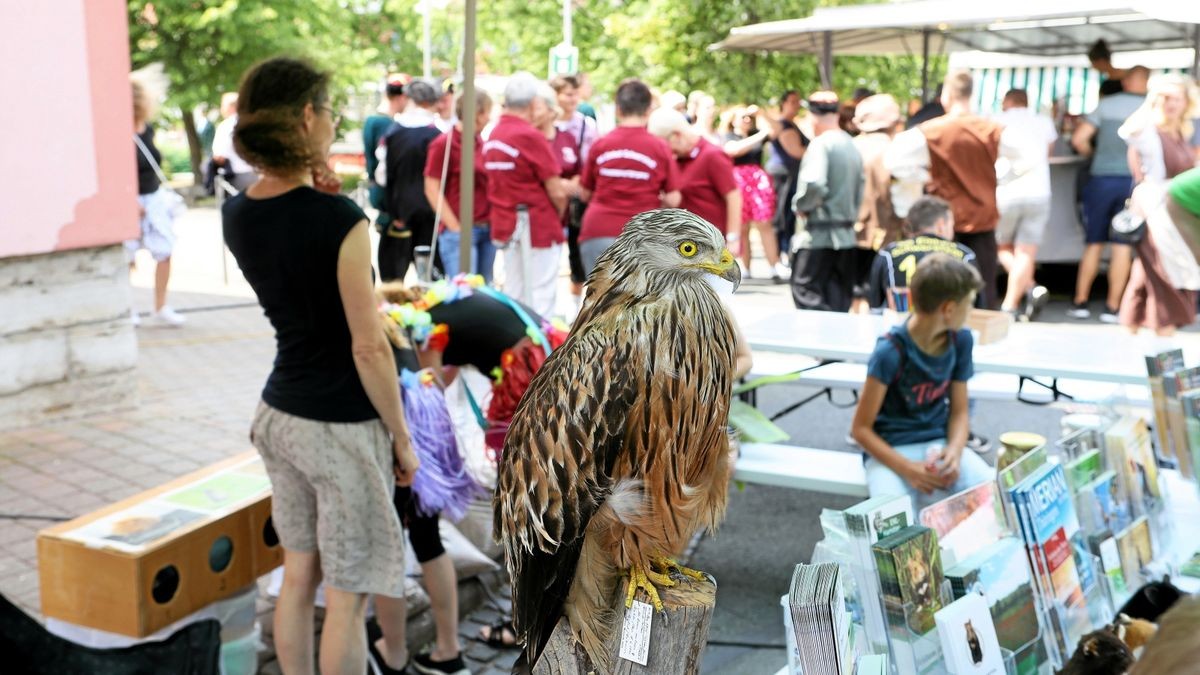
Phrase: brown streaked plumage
(618, 453)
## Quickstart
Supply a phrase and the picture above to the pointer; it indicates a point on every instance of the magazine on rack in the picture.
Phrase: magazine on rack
(1001, 573)
(1175, 384)
(1102, 509)
(910, 579)
(1156, 366)
(1130, 455)
(1084, 469)
(965, 522)
(969, 643)
(867, 523)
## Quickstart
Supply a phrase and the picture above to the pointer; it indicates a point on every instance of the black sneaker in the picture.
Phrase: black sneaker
(376, 665)
(1079, 310)
(424, 663)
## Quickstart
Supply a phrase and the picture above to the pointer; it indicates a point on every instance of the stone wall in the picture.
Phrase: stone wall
(67, 347)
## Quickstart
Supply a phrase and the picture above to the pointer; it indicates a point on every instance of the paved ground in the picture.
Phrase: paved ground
(198, 386)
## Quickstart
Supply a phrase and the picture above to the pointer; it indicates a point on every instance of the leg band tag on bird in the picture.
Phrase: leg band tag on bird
(635, 634)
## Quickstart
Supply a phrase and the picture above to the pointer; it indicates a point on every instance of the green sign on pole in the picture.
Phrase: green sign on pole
(564, 60)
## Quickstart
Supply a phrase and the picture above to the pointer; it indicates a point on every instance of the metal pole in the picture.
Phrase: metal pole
(466, 180)
(1196, 51)
(924, 65)
(568, 36)
(427, 10)
(827, 60)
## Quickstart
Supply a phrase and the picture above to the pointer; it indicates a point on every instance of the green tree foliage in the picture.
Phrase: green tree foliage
(206, 45)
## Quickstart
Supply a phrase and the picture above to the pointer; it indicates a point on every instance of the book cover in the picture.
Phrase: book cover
(1110, 560)
(1016, 472)
(969, 643)
(1191, 567)
(1084, 469)
(1135, 550)
(965, 522)
(1156, 366)
(1001, 573)
(1176, 383)
(1130, 455)
(1190, 401)
(910, 577)
(866, 523)
(1101, 506)
(1049, 524)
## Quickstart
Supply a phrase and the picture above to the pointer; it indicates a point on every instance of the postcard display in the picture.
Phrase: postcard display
(158, 557)
(1006, 577)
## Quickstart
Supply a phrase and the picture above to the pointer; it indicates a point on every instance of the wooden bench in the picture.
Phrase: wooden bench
(828, 471)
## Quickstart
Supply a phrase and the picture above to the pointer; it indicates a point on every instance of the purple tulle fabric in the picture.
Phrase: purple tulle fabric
(441, 484)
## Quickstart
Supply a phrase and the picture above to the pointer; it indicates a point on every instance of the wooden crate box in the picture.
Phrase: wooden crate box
(147, 561)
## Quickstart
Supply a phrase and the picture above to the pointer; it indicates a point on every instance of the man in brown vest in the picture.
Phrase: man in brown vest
(954, 157)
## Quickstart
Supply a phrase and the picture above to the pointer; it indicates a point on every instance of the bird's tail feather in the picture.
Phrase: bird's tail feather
(589, 604)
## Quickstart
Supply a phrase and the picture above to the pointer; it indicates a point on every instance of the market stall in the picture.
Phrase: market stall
(1036, 45)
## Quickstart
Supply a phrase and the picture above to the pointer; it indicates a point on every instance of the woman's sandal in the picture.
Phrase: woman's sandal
(500, 636)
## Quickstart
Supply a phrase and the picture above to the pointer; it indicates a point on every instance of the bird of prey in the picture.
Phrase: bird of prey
(618, 452)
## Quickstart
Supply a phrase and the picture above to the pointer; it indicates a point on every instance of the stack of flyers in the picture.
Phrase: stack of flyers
(820, 620)
(867, 523)
(910, 578)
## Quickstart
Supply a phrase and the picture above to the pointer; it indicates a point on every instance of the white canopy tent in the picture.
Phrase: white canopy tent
(1028, 27)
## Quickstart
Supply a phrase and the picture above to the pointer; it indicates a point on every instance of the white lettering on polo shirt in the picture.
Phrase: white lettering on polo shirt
(502, 147)
(499, 166)
(623, 153)
(625, 173)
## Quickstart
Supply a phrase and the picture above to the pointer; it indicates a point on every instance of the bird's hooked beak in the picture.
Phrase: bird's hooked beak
(726, 269)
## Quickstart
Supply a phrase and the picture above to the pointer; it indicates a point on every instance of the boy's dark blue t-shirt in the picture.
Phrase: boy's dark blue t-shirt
(916, 407)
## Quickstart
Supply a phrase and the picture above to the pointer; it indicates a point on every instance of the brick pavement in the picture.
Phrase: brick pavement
(197, 389)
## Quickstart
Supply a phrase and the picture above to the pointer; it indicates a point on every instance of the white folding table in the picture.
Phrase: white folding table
(1056, 351)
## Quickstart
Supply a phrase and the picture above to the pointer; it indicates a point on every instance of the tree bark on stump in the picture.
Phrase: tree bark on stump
(677, 635)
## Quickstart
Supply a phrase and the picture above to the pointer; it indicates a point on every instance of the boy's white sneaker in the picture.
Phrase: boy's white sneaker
(168, 317)
(134, 317)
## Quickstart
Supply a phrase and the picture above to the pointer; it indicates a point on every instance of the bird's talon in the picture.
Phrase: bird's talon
(640, 578)
(671, 567)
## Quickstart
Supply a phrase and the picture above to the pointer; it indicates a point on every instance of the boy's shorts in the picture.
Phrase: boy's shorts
(332, 487)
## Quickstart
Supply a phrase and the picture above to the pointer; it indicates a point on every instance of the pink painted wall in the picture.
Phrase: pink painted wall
(68, 176)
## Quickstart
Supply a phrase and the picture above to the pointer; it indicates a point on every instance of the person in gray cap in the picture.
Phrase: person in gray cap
(401, 172)
(877, 119)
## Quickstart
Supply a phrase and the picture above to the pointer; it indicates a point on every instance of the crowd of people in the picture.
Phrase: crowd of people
(824, 184)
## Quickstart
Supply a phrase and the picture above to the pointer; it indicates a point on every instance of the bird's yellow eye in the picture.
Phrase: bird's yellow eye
(688, 249)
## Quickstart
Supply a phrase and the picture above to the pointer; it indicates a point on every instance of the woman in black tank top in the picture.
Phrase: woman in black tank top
(330, 428)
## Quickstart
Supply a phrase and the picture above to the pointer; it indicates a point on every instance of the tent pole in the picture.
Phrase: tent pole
(466, 181)
(1196, 51)
(924, 65)
(827, 60)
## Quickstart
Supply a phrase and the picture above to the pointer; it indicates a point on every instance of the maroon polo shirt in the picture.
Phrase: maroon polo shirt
(706, 175)
(518, 161)
(433, 169)
(627, 170)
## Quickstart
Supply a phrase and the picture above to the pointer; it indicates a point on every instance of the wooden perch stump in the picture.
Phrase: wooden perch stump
(677, 635)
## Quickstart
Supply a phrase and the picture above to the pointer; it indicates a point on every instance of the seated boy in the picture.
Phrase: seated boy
(912, 413)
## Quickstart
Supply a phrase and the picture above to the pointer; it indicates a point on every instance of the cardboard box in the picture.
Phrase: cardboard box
(145, 562)
(992, 326)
